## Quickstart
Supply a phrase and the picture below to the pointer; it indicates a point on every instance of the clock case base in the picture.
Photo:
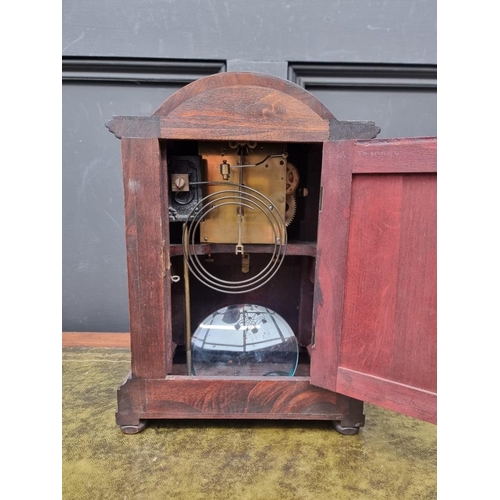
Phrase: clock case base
(180, 397)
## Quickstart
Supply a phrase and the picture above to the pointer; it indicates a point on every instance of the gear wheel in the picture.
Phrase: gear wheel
(292, 178)
(291, 208)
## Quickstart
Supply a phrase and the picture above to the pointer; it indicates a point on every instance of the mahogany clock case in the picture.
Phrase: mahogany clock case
(357, 284)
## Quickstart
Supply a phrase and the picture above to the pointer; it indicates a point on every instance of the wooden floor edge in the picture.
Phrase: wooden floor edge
(96, 339)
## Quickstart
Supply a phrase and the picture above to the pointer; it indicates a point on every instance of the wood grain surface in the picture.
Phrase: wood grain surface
(230, 397)
(412, 155)
(333, 232)
(96, 339)
(149, 294)
(307, 249)
(410, 401)
(233, 106)
(375, 291)
(234, 80)
(390, 294)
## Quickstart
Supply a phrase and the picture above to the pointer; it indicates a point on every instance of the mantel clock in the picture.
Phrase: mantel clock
(281, 262)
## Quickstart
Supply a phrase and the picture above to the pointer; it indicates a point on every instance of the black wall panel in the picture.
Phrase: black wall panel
(94, 284)
(94, 272)
(400, 99)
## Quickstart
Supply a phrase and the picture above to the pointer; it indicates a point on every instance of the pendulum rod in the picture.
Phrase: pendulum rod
(187, 300)
(239, 246)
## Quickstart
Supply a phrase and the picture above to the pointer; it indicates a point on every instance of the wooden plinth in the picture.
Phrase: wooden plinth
(182, 397)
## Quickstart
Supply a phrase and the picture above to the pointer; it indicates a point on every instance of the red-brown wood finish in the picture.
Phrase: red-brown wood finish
(382, 156)
(242, 106)
(189, 397)
(96, 339)
(231, 84)
(232, 398)
(234, 106)
(388, 344)
(257, 124)
(411, 401)
(333, 231)
(305, 249)
(149, 290)
(250, 112)
(131, 401)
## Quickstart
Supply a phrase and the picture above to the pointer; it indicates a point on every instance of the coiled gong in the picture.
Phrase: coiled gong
(244, 200)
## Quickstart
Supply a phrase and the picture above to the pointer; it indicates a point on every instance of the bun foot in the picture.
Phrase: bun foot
(346, 431)
(134, 429)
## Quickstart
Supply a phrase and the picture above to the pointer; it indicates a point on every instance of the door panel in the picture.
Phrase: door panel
(387, 347)
(333, 233)
(390, 293)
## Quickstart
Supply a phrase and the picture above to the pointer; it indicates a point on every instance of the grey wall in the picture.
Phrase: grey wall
(381, 31)
(366, 60)
(94, 279)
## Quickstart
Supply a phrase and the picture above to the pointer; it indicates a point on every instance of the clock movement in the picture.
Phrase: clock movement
(281, 262)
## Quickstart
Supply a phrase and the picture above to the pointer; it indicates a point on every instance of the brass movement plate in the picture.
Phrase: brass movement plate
(221, 225)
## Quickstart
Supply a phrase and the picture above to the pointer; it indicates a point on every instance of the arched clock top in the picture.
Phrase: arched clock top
(242, 106)
(243, 84)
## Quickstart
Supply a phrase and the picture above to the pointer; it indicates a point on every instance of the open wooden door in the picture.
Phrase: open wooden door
(375, 292)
